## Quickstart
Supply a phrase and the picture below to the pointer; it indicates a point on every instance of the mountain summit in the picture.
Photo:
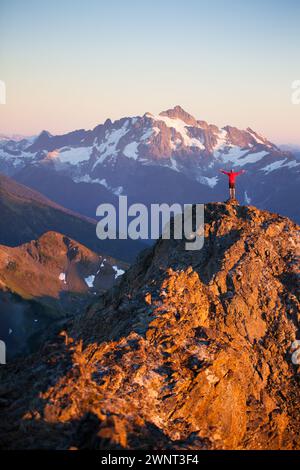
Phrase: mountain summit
(193, 350)
(179, 113)
(168, 157)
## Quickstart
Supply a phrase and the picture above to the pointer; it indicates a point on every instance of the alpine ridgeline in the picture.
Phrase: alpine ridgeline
(170, 157)
(193, 350)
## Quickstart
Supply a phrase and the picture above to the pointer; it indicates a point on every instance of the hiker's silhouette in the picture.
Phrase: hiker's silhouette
(231, 180)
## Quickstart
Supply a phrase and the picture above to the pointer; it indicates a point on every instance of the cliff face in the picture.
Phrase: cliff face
(192, 350)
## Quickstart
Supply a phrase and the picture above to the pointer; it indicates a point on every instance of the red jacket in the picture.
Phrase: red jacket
(232, 175)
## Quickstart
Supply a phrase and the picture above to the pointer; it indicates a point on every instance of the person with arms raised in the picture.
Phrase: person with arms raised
(231, 180)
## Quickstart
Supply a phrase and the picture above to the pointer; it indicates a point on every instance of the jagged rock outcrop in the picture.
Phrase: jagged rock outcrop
(192, 351)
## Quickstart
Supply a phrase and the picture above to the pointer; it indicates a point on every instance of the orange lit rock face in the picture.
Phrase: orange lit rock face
(192, 350)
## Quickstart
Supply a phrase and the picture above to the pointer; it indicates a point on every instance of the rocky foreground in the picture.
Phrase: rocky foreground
(192, 351)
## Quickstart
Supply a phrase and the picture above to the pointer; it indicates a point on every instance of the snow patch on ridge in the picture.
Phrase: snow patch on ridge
(131, 150)
(231, 155)
(18, 159)
(90, 280)
(238, 156)
(209, 181)
(292, 164)
(251, 158)
(221, 141)
(108, 148)
(73, 155)
(149, 133)
(182, 128)
(119, 272)
(279, 164)
(87, 179)
(273, 166)
(173, 165)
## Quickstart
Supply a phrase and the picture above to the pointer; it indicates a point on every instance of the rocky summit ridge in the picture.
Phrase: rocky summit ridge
(193, 350)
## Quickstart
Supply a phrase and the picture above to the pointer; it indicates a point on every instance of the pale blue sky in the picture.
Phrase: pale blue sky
(71, 64)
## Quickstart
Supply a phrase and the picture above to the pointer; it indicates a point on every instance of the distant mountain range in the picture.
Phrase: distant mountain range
(27, 214)
(47, 276)
(295, 149)
(170, 157)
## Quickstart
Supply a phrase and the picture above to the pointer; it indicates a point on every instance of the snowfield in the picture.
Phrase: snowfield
(73, 156)
(238, 156)
(211, 182)
(119, 272)
(131, 150)
(108, 148)
(90, 281)
(182, 128)
(278, 164)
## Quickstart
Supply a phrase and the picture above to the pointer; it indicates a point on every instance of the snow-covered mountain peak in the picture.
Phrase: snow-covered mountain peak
(179, 113)
(172, 143)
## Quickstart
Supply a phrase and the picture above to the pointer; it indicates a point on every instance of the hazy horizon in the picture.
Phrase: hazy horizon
(69, 65)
